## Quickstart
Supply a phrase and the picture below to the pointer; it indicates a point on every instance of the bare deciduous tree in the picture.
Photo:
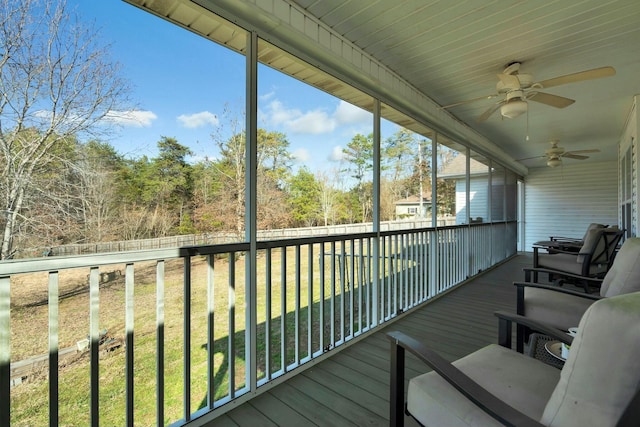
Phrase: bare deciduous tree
(56, 81)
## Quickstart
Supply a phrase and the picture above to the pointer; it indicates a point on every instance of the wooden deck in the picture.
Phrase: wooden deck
(351, 388)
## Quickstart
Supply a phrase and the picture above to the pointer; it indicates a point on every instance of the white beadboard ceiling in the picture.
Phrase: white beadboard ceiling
(451, 51)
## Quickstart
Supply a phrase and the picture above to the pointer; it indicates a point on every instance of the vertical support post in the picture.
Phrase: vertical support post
(251, 213)
(375, 282)
(434, 285)
(467, 202)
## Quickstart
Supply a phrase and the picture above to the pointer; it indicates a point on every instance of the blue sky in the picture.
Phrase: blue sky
(182, 84)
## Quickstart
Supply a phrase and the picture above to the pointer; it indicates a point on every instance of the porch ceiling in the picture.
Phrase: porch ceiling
(453, 51)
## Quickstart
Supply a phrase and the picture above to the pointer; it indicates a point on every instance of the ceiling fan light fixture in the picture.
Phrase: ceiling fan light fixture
(554, 162)
(514, 108)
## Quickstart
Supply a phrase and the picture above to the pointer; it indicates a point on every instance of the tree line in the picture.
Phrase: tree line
(88, 192)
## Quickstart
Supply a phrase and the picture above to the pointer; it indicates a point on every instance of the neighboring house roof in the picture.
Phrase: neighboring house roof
(412, 200)
(458, 166)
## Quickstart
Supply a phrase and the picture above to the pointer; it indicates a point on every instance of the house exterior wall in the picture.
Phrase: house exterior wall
(411, 210)
(478, 196)
(563, 201)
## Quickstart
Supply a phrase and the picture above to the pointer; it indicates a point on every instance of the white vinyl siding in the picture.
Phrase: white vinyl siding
(563, 201)
(478, 194)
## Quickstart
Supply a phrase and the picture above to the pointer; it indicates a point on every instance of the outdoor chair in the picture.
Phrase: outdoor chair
(572, 244)
(592, 260)
(598, 385)
(562, 308)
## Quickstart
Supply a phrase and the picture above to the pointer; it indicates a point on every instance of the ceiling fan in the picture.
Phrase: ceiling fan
(555, 154)
(517, 88)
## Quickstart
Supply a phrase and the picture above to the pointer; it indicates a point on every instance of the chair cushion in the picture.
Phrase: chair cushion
(593, 244)
(593, 225)
(519, 380)
(562, 262)
(603, 369)
(624, 275)
(555, 308)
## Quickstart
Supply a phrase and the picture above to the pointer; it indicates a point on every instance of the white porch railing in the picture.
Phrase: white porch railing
(196, 344)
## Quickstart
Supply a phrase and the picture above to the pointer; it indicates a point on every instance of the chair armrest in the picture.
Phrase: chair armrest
(506, 320)
(559, 289)
(458, 379)
(537, 270)
(565, 239)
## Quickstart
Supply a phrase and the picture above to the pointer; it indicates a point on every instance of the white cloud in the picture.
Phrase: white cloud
(197, 120)
(134, 118)
(301, 155)
(336, 154)
(348, 114)
(313, 122)
(267, 96)
(279, 115)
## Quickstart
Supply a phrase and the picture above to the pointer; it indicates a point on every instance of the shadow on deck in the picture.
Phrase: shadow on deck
(351, 388)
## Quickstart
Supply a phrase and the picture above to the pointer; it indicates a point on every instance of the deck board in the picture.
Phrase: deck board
(351, 387)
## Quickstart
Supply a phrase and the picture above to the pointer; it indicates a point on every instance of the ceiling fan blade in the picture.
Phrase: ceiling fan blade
(548, 99)
(509, 81)
(594, 150)
(469, 101)
(574, 156)
(484, 116)
(596, 73)
(530, 158)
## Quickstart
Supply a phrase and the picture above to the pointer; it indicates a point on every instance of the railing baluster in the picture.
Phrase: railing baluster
(360, 284)
(94, 337)
(267, 321)
(310, 300)
(211, 337)
(283, 309)
(297, 307)
(333, 295)
(129, 346)
(53, 349)
(382, 279)
(321, 308)
(231, 348)
(186, 339)
(343, 277)
(352, 282)
(5, 351)
(160, 343)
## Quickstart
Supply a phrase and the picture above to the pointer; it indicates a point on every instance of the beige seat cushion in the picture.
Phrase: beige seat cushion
(562, 262)
(519, 380)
